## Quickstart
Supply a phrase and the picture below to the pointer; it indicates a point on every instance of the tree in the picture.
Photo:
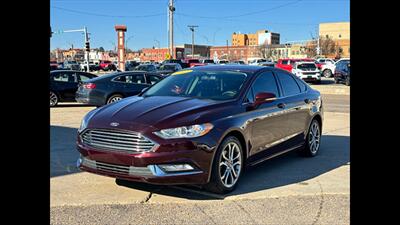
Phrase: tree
(265, 50)
(327, 47)
(101, 49)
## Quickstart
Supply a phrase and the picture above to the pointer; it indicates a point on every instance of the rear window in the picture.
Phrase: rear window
(285, 62)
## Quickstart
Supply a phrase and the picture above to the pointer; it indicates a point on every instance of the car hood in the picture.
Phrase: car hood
(161, 112)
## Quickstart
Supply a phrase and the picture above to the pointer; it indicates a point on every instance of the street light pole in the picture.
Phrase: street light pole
(171, 10)
(191, 27)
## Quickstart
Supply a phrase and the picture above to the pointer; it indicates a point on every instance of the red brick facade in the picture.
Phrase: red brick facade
(159, 54)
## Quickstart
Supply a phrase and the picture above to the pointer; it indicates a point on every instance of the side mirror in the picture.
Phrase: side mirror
(264, 97)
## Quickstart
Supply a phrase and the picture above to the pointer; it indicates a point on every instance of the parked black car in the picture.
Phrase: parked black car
(130, 65)
(168, 68)
(342, 72)
(146, 67)
(64, 83)
(113, 87)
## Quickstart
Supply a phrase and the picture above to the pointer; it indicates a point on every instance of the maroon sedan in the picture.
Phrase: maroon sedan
(202, 126)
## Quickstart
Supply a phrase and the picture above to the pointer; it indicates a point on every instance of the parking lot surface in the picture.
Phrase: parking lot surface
(285, 190)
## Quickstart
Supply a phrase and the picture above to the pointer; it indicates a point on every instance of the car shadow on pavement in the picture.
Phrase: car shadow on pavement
(63, 153)
(283, 170)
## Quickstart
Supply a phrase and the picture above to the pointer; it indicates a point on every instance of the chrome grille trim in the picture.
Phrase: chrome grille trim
(117, 141)
(118, 169)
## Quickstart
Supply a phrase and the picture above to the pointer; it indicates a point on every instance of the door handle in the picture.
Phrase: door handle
(281, 105)
(307, 100)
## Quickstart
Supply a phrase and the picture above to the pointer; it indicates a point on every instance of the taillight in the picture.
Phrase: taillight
(89, 86)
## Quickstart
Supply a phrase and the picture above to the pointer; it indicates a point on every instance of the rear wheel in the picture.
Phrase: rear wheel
(313, 140)
(114, 98)
(327, 73)
(227, 166)
(53, 99)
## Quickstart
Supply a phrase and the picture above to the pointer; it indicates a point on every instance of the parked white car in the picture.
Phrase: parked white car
(307, 71)
(328, 67)
(257, 62)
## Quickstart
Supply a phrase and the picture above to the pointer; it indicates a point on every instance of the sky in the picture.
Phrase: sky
(147, 20)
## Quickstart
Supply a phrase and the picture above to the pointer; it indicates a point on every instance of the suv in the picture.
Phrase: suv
(342, 72)
(193, 62)
(307, 71)
(328, 69)
(107, 65)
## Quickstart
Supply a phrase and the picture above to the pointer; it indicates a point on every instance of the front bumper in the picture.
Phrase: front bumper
(144, 167)
(311, 77)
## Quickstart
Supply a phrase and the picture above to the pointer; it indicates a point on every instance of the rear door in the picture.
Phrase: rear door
(131, 84)
(267, 123)
(66, 84)
(296, 104)
(152, 79)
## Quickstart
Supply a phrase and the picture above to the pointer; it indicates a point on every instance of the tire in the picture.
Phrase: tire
(53, 99)
(347, 82)
(223, 166)
(327, 73)
(313, 140)
(114, 98)
(336, 81)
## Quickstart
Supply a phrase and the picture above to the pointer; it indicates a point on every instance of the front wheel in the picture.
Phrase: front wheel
(347, 82)
(227, 166)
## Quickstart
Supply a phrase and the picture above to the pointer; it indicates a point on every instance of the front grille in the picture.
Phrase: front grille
(118, 141)
(118, 169)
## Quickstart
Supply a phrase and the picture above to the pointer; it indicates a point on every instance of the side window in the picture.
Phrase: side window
(60, 77)
(154, 79)
(120, 79)
(285, 62)
(135, 79)
(302, 85)
(265, 82)
(249, 96)
(84, 77)
(288, 83)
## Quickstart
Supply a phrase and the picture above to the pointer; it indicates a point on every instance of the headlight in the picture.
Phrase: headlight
(185, 132)
(85, 120)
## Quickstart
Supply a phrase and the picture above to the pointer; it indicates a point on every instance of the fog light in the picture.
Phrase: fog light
(176, 167)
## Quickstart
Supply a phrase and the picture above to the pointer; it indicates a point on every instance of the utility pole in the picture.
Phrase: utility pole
(191, 27)
(227, 56)
(87, 49)
(318, 47)
(171, 10)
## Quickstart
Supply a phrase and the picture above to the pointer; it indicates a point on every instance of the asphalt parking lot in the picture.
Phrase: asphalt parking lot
(285, 190)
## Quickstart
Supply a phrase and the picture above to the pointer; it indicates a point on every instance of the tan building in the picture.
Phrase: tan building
(340, 33)
(239, 39)
(259, 38)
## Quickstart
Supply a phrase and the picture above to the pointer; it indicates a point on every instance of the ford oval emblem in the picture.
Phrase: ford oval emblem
(114, 124)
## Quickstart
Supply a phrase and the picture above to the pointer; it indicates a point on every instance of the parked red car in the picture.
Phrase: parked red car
(287, 64)
(107, 65)
(193, 62)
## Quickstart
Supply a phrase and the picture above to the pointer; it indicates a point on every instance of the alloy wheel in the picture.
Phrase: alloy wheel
(327, 73)
(53, 99)
(314, 137)
(114, 99)
(230, 164)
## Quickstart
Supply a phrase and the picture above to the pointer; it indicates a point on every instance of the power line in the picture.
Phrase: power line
(105, 15)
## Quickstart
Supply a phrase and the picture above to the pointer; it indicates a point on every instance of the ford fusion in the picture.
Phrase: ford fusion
(202, 126)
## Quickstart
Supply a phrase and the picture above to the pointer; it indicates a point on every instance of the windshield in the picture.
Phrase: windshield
(167, 67)
(215, 85)
(306, 66)
(208, 61)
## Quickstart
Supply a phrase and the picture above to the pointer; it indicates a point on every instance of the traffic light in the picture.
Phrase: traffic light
(87, 46)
